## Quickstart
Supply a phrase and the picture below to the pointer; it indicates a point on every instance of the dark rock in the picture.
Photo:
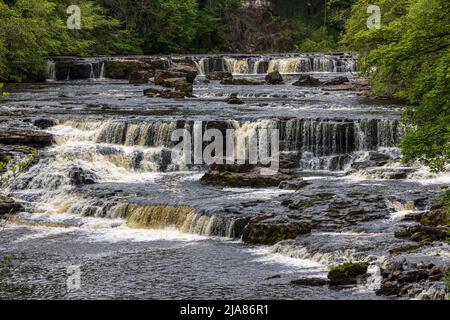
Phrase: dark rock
(219, 75)
(139, 77)
(9, 206)
(347, 273)
(437, 216)
(167, 93)
(44, 123)
(79, 177)
(271, 233)
(274, 78)
(233, 175)
(26, 137)
(293, 184)
(122, 69)
(306, 80)
(336, 81)
(242, 82)
(190, 72)
(80, 71)
(421, 233)
(185, 88)
(233, 99)
(311, 282)
(173, 82)
(162, 75)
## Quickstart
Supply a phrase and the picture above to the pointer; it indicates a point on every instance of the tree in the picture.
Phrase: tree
(409, 58)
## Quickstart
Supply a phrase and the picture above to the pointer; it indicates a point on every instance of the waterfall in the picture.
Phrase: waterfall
(237, 66)
(185, 219)
(102, 71)
(51, 71)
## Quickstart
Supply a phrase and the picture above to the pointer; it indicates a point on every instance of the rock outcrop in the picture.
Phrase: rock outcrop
(26, 137)
(306, 80)
(274, 78)
(122, 69)
(269, 233)
(234, 175)
(347, 273)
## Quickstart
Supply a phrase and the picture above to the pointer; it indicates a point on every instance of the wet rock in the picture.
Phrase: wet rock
(306, 81)
(80, 71)
(186, 88)
(271, 233)
(339, 87)
(173, 82)
(190, 72)
(44, 123)
(25, 137)
(8, 206)
(239, 176)
(373, 159)
(79, 177)
(410, 279)
(162, 75)
(347, 273)
(421, 233)
(274, 78)
(219, 75)
(437, 216)
(233, 99)
(167, 93)
(293, 184)
(242, 82)
(122, 69)
(405, 248)
(311, 282)
(336, 81)
(139, 77)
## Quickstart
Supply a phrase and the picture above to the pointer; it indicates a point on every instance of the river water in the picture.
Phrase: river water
(192, 246)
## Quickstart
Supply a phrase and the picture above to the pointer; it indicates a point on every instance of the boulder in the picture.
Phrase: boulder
(347, 273)
(306, 80)
(79, 176)
(271, 233)
(44, 123)
(401, 278)
(166, 93)
(233, 99)
(189, 71)
(173, 82)
(122, 69)
(185, 88)
(293, 184)
(274, 78)
(421, 233)
(25, 137)
(242, 82)
(139, 77)
(336, 81)
(219, 75)
(162, 75)
(310, 282)
(9, 206)
(437, 216)
(240, 176)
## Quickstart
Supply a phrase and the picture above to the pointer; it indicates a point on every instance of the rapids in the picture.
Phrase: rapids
(145, 226)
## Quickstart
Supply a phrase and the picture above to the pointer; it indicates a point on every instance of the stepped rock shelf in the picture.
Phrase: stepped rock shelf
(108, 190)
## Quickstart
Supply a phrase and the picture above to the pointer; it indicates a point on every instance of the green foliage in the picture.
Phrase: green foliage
(31, 31)
(320, 41)
(409, 58)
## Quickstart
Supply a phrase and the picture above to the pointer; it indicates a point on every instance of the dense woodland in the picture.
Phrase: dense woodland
(407, 58)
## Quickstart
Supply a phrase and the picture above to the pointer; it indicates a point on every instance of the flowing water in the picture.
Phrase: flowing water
(148, 228)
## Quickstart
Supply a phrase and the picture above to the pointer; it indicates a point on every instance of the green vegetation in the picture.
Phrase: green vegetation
(409, 58)
(346, 273)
